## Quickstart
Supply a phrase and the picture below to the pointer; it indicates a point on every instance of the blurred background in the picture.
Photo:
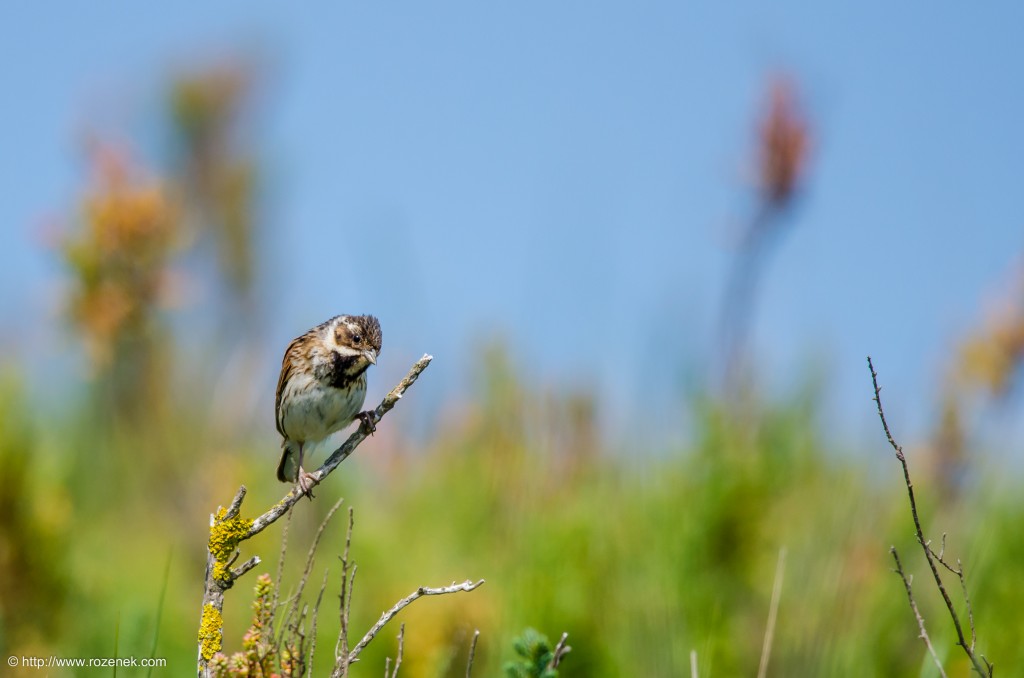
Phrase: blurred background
(649, 247)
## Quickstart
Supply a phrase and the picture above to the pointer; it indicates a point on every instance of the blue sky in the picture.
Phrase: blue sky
(570, 175)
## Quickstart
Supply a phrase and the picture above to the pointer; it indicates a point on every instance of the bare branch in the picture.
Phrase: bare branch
(309, 559)
(316, 615)
(280, 572)
(236, 503)
(398, 657)
(403, 603)
(245, 567)
(917, 614)
(295, 598)
(341, 647)
(984, 668)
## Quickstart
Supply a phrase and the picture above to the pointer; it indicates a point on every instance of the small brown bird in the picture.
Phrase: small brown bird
(322, 387)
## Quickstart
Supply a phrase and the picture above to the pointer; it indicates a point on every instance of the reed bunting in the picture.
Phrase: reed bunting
(322, 387)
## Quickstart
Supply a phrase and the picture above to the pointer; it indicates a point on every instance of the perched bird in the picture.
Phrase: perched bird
(322, 387)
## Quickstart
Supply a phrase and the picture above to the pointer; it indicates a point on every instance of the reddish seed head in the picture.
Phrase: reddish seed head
(783, 144)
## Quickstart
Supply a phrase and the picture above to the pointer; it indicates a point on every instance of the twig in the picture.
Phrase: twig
(236, 503)
(773, 610)
(472, 654)
(228, 530)
(402, 604)
(982, 666)
(280, 572)
(316, 615)
(341, 647)
(693, 664)
(561, 649)
(398, 657)
(245, 567)
(917, 614)
(309, 562)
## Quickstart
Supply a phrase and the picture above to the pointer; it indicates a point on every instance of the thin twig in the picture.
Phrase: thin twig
(280, 573)
(236, 503)
(341, 647)
(316, 615)
(245, 567)
(398, 657)
(693, 664)
(773, 610)
(309, 560)
(917, 613)
(404, 602)
(296, 598)
(472, 654)
(967, 600)
(983, 666)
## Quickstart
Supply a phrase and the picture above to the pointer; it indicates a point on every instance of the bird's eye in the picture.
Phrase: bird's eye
(357, 339)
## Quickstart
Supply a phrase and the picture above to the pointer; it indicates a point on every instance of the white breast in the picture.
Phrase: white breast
(311, 411)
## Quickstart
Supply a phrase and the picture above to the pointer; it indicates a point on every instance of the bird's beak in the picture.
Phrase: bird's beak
(371, 355)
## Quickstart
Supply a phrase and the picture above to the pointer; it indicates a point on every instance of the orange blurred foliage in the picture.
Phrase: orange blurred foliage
(118, 257)
(990, 358)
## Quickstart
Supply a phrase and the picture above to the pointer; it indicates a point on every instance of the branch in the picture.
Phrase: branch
(316, 615)
(982, 666)
(228, 530)
(345, 607)
(917, 613)
(402, 604)
(342, 453)
(398, 657)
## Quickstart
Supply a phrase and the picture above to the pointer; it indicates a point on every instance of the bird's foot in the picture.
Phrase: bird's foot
(307, 481)
(367, 421)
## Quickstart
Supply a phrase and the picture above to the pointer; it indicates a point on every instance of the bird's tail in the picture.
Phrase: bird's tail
(288, 468)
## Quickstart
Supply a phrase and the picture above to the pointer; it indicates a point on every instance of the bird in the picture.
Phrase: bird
(322, 387)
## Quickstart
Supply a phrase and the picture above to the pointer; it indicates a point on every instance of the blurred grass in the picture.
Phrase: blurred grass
(642, 555)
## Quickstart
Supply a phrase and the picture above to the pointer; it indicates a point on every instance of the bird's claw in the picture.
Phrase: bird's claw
(307, 481)
(367, 421)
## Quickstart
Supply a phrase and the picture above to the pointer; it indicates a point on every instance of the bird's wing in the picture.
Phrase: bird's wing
(291, 355)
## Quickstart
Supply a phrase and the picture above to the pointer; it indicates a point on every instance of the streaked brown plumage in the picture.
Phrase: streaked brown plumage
(322, 387)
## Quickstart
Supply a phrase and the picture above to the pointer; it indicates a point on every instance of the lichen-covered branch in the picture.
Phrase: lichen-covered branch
(228, 529)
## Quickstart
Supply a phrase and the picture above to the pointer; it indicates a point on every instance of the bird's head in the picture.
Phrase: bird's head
(358, 336)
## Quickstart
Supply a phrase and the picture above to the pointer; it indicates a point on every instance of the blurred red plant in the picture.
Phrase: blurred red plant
(784, 142)
(781, 160)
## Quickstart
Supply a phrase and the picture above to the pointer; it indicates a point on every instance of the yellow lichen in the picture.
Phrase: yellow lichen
(210, 631)
(225, 534)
